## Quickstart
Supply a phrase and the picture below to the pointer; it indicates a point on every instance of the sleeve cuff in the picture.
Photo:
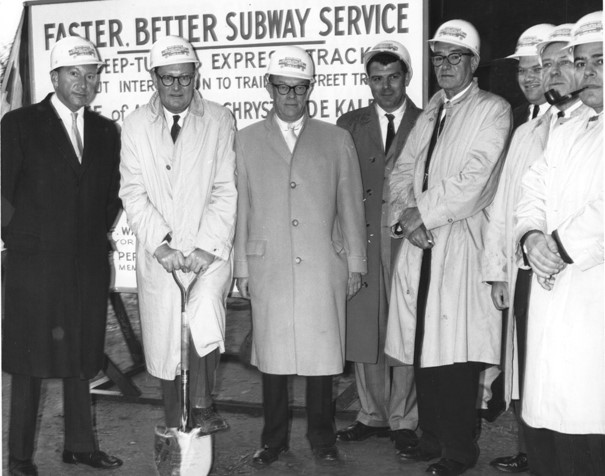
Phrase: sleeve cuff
(562, 252)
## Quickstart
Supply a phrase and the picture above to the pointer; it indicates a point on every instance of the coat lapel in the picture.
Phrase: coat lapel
(403, 131)
(57, 134)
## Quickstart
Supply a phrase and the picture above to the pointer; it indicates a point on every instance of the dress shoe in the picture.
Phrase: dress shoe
(511, 464)
(404, 439)
(326, 453)
(96, 459)
(359, 432)
(18, 467)
(208, 420)
(266, 455)
(447, 467)
(418, 453)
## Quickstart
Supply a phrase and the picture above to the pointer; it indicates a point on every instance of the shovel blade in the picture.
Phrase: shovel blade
(179, 453)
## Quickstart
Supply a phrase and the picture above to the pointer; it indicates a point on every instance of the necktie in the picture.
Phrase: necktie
(174, 131)
(291, 136)
(561, 114)
(76, 134)
(439, 122)
(535, 111)
(390, 133)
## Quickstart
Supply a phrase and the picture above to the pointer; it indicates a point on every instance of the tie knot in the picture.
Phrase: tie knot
(176, 118)
(390, 117)
(74, 116)
(561, 114)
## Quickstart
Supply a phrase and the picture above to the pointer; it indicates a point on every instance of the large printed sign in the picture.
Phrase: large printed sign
(234, 40)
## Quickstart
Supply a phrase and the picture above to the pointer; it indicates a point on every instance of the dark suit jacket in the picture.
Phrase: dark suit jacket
(520, 115)
(57, 267)
(363, 310)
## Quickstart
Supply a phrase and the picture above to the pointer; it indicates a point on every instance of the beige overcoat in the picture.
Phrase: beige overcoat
(461, 323)
(300, 231)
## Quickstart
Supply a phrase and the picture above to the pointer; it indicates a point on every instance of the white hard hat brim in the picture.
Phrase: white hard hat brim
(452, 42)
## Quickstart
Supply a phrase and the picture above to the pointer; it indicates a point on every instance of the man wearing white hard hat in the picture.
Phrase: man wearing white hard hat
(559, 230)
(509, 283)
(299, 250)
(386, 392)
(441, 318)
(178, 191)
(60, 175)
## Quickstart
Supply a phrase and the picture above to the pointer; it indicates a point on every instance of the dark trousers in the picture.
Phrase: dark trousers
(25, 400)
(202, 372)
(559, 454)
(321, 430)
(446, 394)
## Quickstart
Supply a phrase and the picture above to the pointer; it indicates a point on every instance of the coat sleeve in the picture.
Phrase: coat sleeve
(401, 181)
(12, 163)
(113, 201)
(144, 219)
(240, 269)
(473, 186)
(349, 204)
(218, 222)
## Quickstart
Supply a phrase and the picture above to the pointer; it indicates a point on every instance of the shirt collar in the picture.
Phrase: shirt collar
(459, 95)
(168, 115)
(63, 111)
(397, 112)
(283, 125)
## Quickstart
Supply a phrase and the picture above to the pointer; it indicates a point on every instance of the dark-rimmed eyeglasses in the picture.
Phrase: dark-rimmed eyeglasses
(167, 80)
(452, 58)
(284, 89)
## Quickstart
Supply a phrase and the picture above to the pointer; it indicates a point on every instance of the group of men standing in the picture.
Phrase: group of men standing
(393, 241)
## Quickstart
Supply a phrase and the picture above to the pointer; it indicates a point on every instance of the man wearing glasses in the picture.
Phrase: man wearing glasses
(441, 317)
(299, 251)
(178, 191)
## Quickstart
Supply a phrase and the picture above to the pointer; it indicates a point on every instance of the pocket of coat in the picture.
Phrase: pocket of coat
(255, 248)
(338, 246)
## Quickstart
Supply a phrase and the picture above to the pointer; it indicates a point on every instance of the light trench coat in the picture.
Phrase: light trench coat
(461, 323)
(564, 386)
(187, 189)
(300, 231)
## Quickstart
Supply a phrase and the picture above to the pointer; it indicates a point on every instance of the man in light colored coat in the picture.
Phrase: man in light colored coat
(386, 392)
(441, 317)
(179, 194)
(560, 231)
(299, 250)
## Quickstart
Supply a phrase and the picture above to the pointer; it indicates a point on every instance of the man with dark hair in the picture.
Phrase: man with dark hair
(386, 389)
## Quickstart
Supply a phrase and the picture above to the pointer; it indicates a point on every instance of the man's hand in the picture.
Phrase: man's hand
(500, 296)
(421, 238)
(242, 285)
(410, 220)
(353, 285)
(169, 258)
(198, 261)
(543, 255)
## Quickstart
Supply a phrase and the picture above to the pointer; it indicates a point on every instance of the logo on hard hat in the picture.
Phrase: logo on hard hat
(528, 41)
(294, 63)
(453, 31)
(175, 50)
(594, 27)
(386, 46)
(562, 33)
(81, 51)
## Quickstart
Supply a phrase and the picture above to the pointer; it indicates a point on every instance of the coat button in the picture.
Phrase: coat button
(450, 220)
(365, 284)
(168, 167)
(292, 184)
(372, 159)
(294, 222)
(298, 260)
(369, 192)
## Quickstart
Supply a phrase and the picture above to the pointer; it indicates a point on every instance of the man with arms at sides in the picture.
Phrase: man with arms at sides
(300, 251)
(387, 392)
(560, 230)
(500, 268)
(441, 317)
(179, 194)
(60, 175)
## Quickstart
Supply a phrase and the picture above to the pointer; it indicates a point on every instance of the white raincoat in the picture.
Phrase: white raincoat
(564, 386)
(186, 189)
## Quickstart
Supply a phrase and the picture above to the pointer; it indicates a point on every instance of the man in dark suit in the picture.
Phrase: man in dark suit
(60, 173)
(386, 391)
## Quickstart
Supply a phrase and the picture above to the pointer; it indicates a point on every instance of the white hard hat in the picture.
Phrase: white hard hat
(292, 62)
(561, 34)
(529, 40)
(393, 48)
(73, 51)
(171, 50)
(457, 32)
(588, 29)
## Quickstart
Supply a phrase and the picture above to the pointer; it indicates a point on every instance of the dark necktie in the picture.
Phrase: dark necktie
(439, 122)
(560, 114)
(390, 133)
(174, 132)
(535, 111)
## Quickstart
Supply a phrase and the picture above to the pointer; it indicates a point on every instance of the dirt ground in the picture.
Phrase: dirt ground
(126, 429)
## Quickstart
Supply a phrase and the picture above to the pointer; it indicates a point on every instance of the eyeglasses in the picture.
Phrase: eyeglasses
(167, 80)
(452, 58)
(284, 89)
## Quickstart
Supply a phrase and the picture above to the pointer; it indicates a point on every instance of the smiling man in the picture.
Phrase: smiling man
(299, 251)
(441, 318)
(178, 191)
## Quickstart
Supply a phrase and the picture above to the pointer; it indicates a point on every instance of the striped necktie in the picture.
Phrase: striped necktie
(76, 134)
(174, 131)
